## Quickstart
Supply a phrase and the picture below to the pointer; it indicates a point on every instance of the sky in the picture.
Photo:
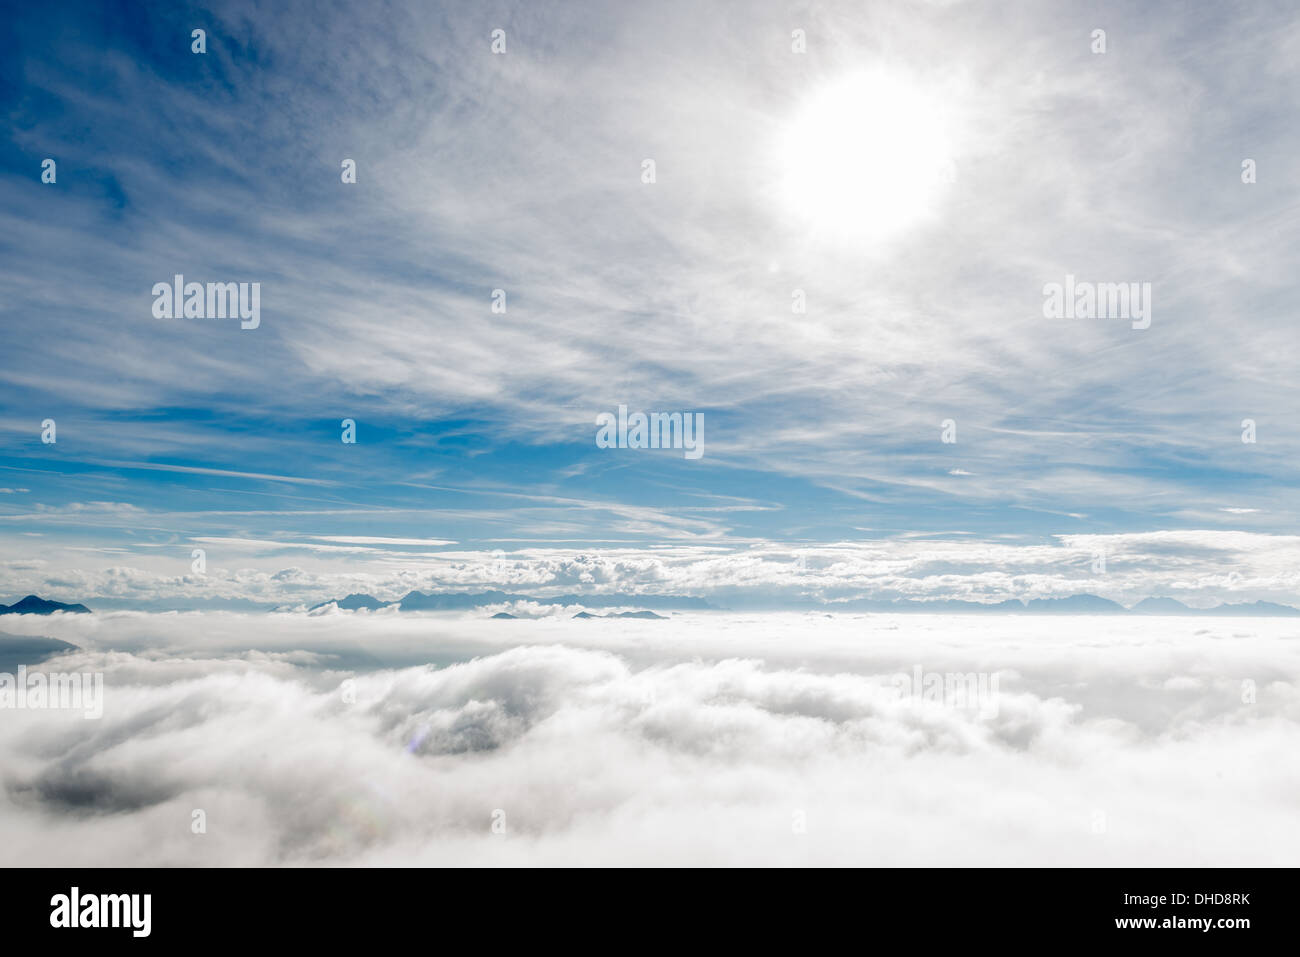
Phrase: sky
(919, 172)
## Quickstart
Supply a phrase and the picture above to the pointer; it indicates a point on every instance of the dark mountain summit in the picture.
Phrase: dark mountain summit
(356, 602)
(32, 605)
(459, 601)
(1083, 604)
(624, 614)
(18, 650)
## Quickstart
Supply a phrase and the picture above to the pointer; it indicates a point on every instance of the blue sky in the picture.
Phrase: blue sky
(522, 171)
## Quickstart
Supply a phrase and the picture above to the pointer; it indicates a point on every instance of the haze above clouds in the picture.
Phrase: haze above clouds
(1200, 567)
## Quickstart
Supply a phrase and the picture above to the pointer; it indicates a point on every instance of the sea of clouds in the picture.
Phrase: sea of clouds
(1198, 567)
(708, 738)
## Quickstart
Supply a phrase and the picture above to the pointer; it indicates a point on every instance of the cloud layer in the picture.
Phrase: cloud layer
(760, 739)
(1200, 567)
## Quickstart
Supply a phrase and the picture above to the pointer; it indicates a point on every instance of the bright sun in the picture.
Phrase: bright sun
(865, 158)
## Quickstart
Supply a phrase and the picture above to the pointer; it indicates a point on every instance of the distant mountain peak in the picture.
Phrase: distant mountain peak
(1160, 606)
(624, 614)
(1076, 604)
(35, 605)
(1080, 604)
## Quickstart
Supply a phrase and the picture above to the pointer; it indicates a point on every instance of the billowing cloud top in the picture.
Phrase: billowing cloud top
(767, 739)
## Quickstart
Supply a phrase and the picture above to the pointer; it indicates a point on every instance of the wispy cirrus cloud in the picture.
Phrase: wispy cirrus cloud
(377, 295)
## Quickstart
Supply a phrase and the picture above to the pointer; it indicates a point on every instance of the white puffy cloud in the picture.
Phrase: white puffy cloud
(706, 739)
(1200, 567)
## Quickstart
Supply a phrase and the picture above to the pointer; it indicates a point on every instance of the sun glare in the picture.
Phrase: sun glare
(865, 158)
